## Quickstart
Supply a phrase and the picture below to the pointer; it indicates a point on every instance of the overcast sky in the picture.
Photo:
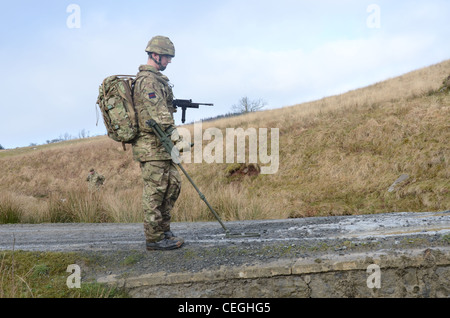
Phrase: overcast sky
(54, 54)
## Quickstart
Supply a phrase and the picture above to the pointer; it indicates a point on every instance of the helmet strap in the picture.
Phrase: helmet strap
(158, 62)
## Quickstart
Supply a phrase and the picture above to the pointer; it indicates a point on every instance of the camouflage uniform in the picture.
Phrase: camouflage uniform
(95, 180)
(162, 183)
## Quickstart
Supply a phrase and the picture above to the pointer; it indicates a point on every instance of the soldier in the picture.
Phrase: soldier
(95, 180)
(162, 183)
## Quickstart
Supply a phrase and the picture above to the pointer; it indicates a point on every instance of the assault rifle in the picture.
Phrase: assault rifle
(184, 104)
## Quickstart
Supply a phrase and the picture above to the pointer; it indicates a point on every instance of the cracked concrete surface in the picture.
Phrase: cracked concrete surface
(309, 257)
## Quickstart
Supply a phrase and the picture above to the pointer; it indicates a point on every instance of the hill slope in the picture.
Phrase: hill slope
(337, 156)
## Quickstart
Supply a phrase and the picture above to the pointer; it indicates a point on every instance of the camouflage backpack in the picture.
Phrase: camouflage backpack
(115, 101)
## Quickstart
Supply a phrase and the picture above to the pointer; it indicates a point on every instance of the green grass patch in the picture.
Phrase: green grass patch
(26, 274)
(10, 211)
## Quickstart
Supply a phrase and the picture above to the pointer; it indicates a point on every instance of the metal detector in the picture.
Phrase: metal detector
(169, 146)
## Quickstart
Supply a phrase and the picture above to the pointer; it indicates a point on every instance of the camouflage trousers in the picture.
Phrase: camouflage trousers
(162, 185)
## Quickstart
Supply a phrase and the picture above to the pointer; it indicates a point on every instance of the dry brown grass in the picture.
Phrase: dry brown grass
(338, 156)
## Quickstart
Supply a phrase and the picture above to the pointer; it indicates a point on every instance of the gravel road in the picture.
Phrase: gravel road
(120, 248)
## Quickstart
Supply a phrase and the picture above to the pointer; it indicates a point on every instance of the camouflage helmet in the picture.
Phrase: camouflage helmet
(161, 45)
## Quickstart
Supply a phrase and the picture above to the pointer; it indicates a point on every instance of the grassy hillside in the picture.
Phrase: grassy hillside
(338, 156)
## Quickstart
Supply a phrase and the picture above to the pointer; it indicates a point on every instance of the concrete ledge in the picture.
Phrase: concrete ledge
(415, 273)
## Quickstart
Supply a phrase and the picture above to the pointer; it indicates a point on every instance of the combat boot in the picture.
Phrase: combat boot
(165, 244)
(169, 235)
